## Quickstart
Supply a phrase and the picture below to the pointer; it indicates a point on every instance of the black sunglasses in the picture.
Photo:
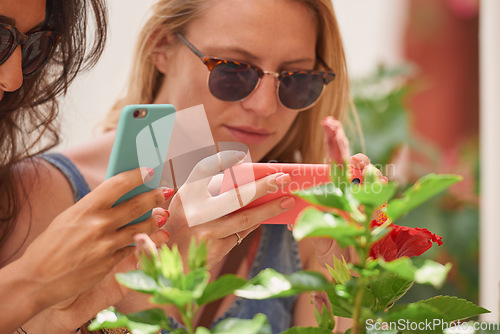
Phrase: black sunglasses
(37, 46)
(234, 81)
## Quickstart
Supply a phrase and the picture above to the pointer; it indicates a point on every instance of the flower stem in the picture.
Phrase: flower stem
(358, 303)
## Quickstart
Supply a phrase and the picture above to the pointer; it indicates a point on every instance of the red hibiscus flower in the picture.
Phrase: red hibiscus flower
(403, 241)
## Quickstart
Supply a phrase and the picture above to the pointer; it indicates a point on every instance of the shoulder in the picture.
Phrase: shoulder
(43, 192)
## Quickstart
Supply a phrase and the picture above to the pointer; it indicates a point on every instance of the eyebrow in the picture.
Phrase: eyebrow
(255, 59)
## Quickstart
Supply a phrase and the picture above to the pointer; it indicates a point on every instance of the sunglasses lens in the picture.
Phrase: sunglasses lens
(6, 41)
(37, 51)
(300, 90)
(231, 81)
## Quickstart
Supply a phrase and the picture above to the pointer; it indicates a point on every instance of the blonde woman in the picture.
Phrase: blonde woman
(270, 66)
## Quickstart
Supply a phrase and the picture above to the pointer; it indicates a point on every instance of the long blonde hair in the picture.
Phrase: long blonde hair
(305, 136)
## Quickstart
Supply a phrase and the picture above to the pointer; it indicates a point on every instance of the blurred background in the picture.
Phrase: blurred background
(415, 75)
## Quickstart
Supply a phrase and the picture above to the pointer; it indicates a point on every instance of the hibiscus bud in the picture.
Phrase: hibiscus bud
(320, 298)
(336, 140)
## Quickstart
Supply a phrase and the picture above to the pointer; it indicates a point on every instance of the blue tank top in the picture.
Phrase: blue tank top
(278, 250)
(78, 184)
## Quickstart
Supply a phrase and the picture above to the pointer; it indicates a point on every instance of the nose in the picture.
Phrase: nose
(11, 72)
(264, 100)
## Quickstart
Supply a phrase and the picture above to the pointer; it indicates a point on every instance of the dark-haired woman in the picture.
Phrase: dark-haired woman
(43, 46)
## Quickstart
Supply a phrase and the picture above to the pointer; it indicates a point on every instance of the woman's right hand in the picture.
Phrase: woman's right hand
(194, 203)
(85, 242)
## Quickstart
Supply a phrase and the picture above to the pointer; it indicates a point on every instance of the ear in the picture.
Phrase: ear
(161, 52)
(160, 60)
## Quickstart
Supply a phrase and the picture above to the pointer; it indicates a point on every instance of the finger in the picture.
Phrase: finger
(253, 190)
(125, 235)
(214, 164)
(246, 219)
(108, 192)
(135, 207)
(359, 161)
(232, 200)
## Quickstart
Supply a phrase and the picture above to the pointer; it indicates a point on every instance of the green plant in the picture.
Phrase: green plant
(365, 291)
(162, 276)
(368, 296)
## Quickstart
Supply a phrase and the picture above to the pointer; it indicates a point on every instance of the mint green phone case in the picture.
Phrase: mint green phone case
(142, 142)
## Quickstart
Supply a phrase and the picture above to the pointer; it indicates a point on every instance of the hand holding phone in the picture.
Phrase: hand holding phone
(303, 176)
(142, 140)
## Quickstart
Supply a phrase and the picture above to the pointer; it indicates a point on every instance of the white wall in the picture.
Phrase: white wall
(489, 276)
(371, 32)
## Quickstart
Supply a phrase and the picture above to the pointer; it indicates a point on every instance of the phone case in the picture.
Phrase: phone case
(303, 176)
(142, 142)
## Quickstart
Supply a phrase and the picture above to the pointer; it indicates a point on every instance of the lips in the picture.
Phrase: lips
(248, 135)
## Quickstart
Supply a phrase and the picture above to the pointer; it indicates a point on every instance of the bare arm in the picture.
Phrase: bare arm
(66, 255)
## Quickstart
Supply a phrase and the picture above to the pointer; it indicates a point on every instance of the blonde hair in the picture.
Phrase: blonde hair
(305, 137)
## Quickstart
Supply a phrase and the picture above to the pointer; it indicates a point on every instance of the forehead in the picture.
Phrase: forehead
(281, 28)
(24, 14)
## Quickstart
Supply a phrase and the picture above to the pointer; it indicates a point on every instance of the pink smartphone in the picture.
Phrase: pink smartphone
(303, 176)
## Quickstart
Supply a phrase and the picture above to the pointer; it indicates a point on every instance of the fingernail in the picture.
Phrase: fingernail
(161, 221)
(167, 213)
(283, 179)
(287, 203)
(168, 193)
(166, 234)
(150, 171)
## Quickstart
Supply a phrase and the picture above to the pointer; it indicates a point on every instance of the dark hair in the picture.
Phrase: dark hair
(28, 114)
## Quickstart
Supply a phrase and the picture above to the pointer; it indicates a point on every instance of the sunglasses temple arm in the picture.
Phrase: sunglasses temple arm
(190, 46)
(324, 63)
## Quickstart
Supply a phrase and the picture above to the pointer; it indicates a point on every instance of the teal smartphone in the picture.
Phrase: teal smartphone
(142, 138)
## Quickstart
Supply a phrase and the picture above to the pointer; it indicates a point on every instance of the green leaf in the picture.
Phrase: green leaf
(341, 301)
(149, 264)
(373, 194)
(220, 288)
(196, 281)
(431, 272)
(138, 281)
(327, 195)
(421, 271)
(171, 264)
(324, 319)
(402, 267)
(339, 175)
(173, 296)
(197, 255)
(315, 223)
(340, 271)
(144, 322)
(307, 330)
(258, 325)
(387, 288)
(454, 308)
(271, 284)
(422, 190)
(413, 312)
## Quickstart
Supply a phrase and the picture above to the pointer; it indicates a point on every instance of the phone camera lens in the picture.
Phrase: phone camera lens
(140, 113)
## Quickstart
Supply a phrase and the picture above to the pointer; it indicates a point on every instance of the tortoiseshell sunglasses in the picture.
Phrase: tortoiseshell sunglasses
(234, 81)
(37, 46)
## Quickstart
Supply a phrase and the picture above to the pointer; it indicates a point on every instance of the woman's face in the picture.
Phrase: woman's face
(274, 35)
(24, 15)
